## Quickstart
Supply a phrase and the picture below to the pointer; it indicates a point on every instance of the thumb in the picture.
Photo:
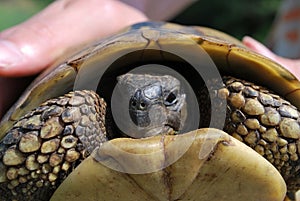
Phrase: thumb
(63, 26)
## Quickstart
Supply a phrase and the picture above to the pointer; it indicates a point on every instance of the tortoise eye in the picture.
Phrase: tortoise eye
(143, 105)
(171, 99)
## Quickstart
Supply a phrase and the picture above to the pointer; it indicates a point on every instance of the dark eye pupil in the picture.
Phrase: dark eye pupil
(171, 97)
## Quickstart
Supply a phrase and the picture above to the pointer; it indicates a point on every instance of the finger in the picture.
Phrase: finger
(62, 27)
(293, 65)
(258, 47)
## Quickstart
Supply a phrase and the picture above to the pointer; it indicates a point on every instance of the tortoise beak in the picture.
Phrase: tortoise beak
(214, 166)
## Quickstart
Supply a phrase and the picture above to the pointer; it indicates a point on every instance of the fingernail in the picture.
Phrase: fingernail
(10, 55)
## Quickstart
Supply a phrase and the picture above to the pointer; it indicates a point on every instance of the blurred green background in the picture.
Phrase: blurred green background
(15, 11)
(236, 17)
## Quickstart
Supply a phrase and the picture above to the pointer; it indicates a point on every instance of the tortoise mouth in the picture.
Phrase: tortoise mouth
(171, 130)
(140, 118)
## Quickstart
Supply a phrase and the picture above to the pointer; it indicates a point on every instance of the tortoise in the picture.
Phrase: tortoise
(160, 111)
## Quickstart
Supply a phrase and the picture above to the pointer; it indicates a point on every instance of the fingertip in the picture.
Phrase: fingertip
(247, 38)
(10, 55)
(15, 60)
(251, 43)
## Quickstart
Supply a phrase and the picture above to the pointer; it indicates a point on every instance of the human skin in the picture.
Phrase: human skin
(293, 65)
(28, 48)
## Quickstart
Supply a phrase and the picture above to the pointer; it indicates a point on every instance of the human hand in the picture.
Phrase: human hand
(293, 65)
(61, 28)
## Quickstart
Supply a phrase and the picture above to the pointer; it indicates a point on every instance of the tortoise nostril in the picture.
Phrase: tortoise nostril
(133, 103)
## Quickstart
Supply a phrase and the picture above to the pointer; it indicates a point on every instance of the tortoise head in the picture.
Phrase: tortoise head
(155, 103)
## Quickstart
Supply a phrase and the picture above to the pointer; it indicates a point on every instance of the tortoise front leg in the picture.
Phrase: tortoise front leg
(45, 145)
(267, 123)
